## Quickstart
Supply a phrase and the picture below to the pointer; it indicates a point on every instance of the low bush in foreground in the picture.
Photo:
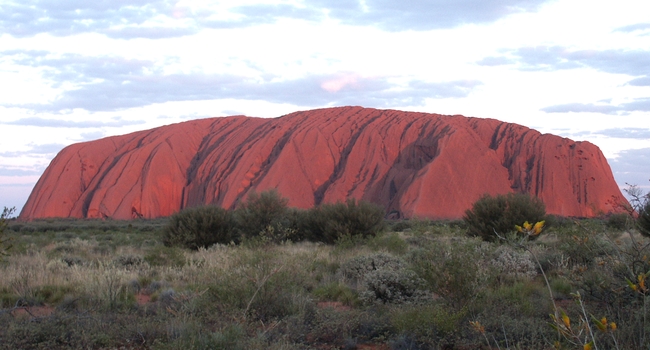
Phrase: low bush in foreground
(200, 227)
(331, 222)
(264, 213)
(501, 213)
(643, 221)
(428, 286)
(440, 289)
(4, 241)
(264, 218)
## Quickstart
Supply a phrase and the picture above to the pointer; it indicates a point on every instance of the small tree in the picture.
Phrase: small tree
(262, 212)
(638, 208)
(329, 222)
(643, 221)
(641, 203)
(4, 245)
(501, 213)
(198, 227)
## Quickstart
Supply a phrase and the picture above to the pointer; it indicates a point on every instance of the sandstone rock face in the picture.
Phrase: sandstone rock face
(414, 164)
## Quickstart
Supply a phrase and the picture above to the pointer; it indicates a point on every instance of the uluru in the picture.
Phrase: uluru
(413, 164)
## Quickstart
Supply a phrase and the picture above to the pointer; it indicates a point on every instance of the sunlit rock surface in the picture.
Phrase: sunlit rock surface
(413, 164)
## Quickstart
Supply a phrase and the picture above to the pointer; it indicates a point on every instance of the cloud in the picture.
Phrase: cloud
(637, 105)
(582, 107)
(421, 15)
(127, 19)
(632, 167)
(231, 112)
(189, 116)
(451, 89)
(634, 28)
(268, 13)
(15, 195)
(147, 32)
(341, 89)
(113, 83)
(642, 81)
(7, 171)
(534, 58)
(60, 123)
(78, 68)
(495, 61)
(94, 135)
(627, 133)
(622, 133)
(49, 149)
(552, 58)
(117, 18)
(387, 15)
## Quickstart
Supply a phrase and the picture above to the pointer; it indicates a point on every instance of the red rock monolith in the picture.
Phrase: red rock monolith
(413, 164)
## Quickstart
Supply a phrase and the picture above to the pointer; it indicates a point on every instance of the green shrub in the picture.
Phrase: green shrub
(428, 324)
(391, 242)
(329, 326)
(199, 227)
(643, 220)
(263, 214)
(4, 246)
(382, 278)
(518, 314)
(72, 260)
(337, 291)
(558, 222)
(584, 249)
(276, 299)
(52, 294)
(639, 203)
(501, 213)
(523, 298)
(290, 228)
(126, 261)
(519, 332)
(618, 221)
(400, 225)
(63, 330)
(331, 222)
(453, 270)
(229, 338)
(392, 287)
(513, 264)
(358, 268)
(228, 294)
(165, 256)
(7, 298)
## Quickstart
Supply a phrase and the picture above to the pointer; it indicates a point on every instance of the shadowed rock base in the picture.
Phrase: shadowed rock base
(413, 164)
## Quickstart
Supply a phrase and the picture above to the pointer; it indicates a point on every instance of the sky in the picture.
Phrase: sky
(77, 70)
